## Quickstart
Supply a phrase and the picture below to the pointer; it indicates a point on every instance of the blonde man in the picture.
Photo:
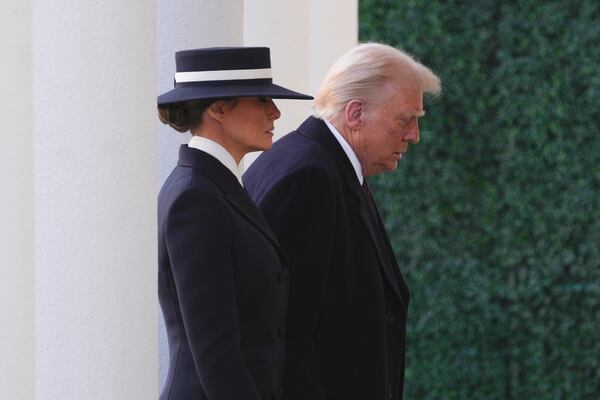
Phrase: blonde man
(348, 300)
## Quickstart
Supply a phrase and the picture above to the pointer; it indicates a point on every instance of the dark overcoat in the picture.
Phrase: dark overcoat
(222, 286)
(348, 300)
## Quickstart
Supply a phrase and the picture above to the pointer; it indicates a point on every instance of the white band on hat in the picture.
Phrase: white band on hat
(223, 75)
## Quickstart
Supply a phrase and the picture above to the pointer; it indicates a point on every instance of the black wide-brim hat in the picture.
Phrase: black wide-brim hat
(220, 72)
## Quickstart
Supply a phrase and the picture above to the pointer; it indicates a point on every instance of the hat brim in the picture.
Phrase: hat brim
(187, 93)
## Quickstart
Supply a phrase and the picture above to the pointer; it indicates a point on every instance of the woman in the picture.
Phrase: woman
(222, 279)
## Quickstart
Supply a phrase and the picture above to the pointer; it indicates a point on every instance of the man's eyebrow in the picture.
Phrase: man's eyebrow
(415, 113)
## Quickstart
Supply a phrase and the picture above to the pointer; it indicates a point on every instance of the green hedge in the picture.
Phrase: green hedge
(495, 215)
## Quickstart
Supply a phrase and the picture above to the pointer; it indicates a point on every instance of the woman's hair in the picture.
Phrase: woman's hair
(361, 72)
(186, 116)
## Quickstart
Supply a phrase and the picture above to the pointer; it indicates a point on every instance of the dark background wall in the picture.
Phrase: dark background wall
(495, 215)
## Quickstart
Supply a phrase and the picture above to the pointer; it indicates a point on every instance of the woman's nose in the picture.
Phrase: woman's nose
(274, 112)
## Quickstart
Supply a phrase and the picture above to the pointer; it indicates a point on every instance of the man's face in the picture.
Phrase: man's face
(388, 127)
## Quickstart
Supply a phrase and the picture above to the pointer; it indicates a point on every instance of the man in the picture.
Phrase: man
(348, 300)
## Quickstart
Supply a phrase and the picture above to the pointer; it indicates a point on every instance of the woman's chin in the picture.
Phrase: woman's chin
(261, 147)
(265, 146)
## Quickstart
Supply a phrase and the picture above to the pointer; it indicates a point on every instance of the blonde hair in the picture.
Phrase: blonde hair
(361, 74)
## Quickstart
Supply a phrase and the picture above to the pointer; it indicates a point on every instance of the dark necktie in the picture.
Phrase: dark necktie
(370, 202)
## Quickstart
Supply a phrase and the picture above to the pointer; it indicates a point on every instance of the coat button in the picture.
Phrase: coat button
(389, 391)
(271, 336)
(390, 318)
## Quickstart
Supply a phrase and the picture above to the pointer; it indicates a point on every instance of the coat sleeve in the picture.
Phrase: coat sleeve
(301, 210)
(199, 243)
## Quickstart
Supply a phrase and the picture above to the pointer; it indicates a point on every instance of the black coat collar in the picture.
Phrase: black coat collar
(316, 129)
(211, 168)
(229, 185)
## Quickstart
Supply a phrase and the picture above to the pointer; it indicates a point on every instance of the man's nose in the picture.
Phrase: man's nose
(412, 133)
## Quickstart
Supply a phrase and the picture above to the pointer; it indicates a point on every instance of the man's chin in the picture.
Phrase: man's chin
(392, 166)
(383, 168)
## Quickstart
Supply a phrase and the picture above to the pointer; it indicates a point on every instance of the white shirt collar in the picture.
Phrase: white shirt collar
(217, 151)
(348, 150)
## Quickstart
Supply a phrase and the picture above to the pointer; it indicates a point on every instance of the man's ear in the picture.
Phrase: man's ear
(354, 114)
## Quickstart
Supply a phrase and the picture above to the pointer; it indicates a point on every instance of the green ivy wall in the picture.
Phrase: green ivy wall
(495, 215)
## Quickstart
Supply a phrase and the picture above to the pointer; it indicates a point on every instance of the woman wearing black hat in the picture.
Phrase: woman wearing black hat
(222, 276)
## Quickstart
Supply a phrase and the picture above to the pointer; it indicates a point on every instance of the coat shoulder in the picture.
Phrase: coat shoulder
(185, 186)
(293, 155)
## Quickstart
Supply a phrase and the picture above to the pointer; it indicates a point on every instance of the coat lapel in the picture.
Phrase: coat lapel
(233, 192)
(386, 247)
(378, 242)
(245, 206)
(316, 130)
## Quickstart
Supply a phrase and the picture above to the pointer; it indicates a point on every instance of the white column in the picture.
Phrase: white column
(16, 203)
(187, 24)
(305, 37)
(95, 189)
(333, 31)
(284, 27)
